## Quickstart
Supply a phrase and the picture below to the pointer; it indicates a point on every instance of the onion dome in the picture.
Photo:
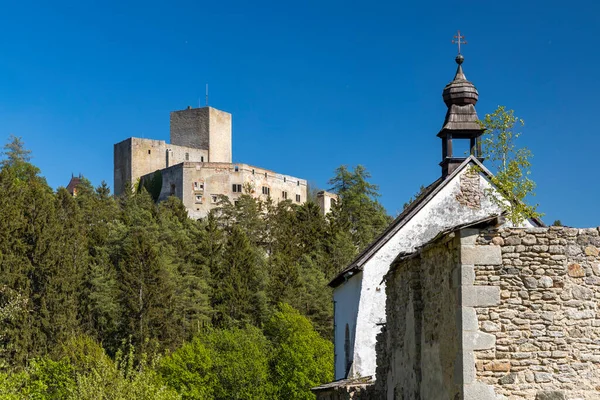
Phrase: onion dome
(460, 91)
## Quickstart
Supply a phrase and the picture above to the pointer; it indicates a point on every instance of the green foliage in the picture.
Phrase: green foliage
(510, 164)
(301, 358)
(190, 371)
(358, 210)
(557, 223)
(240, 362)
(80, 276)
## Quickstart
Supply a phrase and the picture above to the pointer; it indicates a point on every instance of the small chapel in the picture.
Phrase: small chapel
(455, 198)
(452, 301)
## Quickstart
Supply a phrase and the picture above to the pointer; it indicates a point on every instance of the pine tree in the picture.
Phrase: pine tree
(239, 282)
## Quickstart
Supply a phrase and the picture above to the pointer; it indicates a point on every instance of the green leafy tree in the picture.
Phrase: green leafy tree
(301, 358)
(510, 164)
(190, 370)
(240, 363)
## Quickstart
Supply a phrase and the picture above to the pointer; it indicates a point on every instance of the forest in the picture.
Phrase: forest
(122, 298)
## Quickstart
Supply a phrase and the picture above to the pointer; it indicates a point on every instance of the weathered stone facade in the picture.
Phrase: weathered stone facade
(493, 313)
(547, 324)
(200, 184)
(422, 335)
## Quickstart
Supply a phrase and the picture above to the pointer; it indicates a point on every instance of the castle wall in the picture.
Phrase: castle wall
(200, 184)
(136, 157)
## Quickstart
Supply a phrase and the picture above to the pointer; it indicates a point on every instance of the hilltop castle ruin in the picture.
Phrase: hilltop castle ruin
(197, 166)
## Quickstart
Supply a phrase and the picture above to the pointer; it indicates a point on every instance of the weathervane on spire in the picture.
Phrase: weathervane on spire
(459, 39)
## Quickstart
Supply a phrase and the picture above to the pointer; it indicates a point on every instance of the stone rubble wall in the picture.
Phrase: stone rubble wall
(547, 323)
(417, 350)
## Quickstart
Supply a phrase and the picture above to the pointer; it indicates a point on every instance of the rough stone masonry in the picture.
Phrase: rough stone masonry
(546, 324)
(485, 313)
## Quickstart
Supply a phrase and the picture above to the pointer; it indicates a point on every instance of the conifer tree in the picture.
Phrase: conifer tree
(239, 282)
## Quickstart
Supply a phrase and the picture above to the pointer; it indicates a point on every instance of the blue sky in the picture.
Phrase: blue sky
(311, 85)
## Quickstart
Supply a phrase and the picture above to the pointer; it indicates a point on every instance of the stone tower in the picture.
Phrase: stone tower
(203, 128)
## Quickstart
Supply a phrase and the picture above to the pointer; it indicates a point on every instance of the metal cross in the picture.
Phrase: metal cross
(458, 39)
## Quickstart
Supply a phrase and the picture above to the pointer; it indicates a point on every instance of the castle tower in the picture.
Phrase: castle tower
(203, 128)
(461, 121)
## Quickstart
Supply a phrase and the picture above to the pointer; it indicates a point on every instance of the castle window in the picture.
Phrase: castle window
(252, 172)
(298, 183)
(213, 198)
(235, 202)
(201, 158)
(172, 189)
(237, 188)
(187, 156)
(149, 151)
(284, 179)
(298, 198)
(266, 176)
(198, 199)
(236, 168)
(284, 195)
(266, 190)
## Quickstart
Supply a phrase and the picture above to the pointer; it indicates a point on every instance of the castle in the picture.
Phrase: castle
(197, 166)
(453, 302)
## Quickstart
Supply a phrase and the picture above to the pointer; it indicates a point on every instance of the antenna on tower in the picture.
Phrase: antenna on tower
(207, 95)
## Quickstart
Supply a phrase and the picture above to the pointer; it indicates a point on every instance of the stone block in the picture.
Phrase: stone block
(469, 236)
(530, 283)
(550, 395)
(513, 240)
(582, 293)
(541, 377)
(481, 255)
(576, 271)
(469, 319)
(479, 391)
(529, 240)
(592, 251)
(546, 282)
(478, 341)
(497, 366)
(498, 241)
(488, 326)
(480, 296)
(508, 379)
(466, 361)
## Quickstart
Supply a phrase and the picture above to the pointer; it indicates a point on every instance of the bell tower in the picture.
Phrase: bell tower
(461, 121)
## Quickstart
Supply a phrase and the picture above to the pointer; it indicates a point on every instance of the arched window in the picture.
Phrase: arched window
(347, 350)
